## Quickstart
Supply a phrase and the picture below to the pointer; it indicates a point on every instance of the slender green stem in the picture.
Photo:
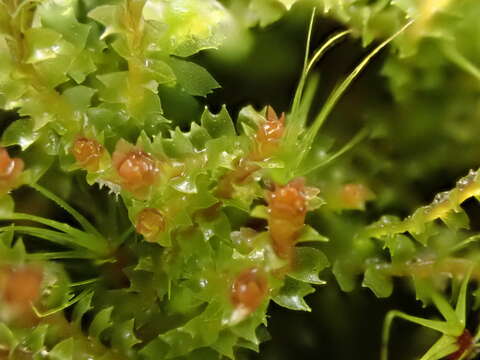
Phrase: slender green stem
(340, 90)
(464, 243)
(308, 66)
(125, 235)
(461, 61)
(52, 223)
(69, 303)
(299, 90)
(46, 234)
(354, 141)
(58, 255)
(76, 215)
(461, 307)
(86, 241)
(84, 282)
(328, 44)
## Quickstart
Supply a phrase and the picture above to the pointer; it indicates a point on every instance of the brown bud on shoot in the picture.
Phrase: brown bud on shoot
(289, 201)
(287, 207)
(269, 135)
(249, 289)
(150, 223)
(87, 153)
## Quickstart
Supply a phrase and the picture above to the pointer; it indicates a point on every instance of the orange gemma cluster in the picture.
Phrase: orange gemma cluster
(10, 170)
(249, 289)
(287, 206)
(87, 153)
(150, 223)
(136, 168)
(137, 171)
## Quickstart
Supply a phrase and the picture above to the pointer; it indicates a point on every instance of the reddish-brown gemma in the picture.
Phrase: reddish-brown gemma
(10, 170)
(249, 289)
(22, 286)
(137, 168)
(87, 153)
(150, 223)
(354, 196)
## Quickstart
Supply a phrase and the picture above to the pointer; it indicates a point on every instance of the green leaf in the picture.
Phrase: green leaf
(263, 12)
(79, 97)
(307, 264)
(247, 329)
(198, 136)
(218, 125)
(423, 289)
(123, 336)
(45, 44)
(287, 3)
(292, 293)
(309, 234)
(115, 87)
(376, 280)
(100, 322)
(109, 16)
(21, 133)
(82, 66)
(59, 15)
(62, 351)
(7, 338)
(192, 78)
(81, 309)
(178, 145)
(401, 248)
(345, 272)
(225, 344)
(35, 341)
(456, 220)
(7, 206)
(260, 212)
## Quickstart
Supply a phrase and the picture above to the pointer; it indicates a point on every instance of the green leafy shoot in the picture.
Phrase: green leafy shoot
(452, 328)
